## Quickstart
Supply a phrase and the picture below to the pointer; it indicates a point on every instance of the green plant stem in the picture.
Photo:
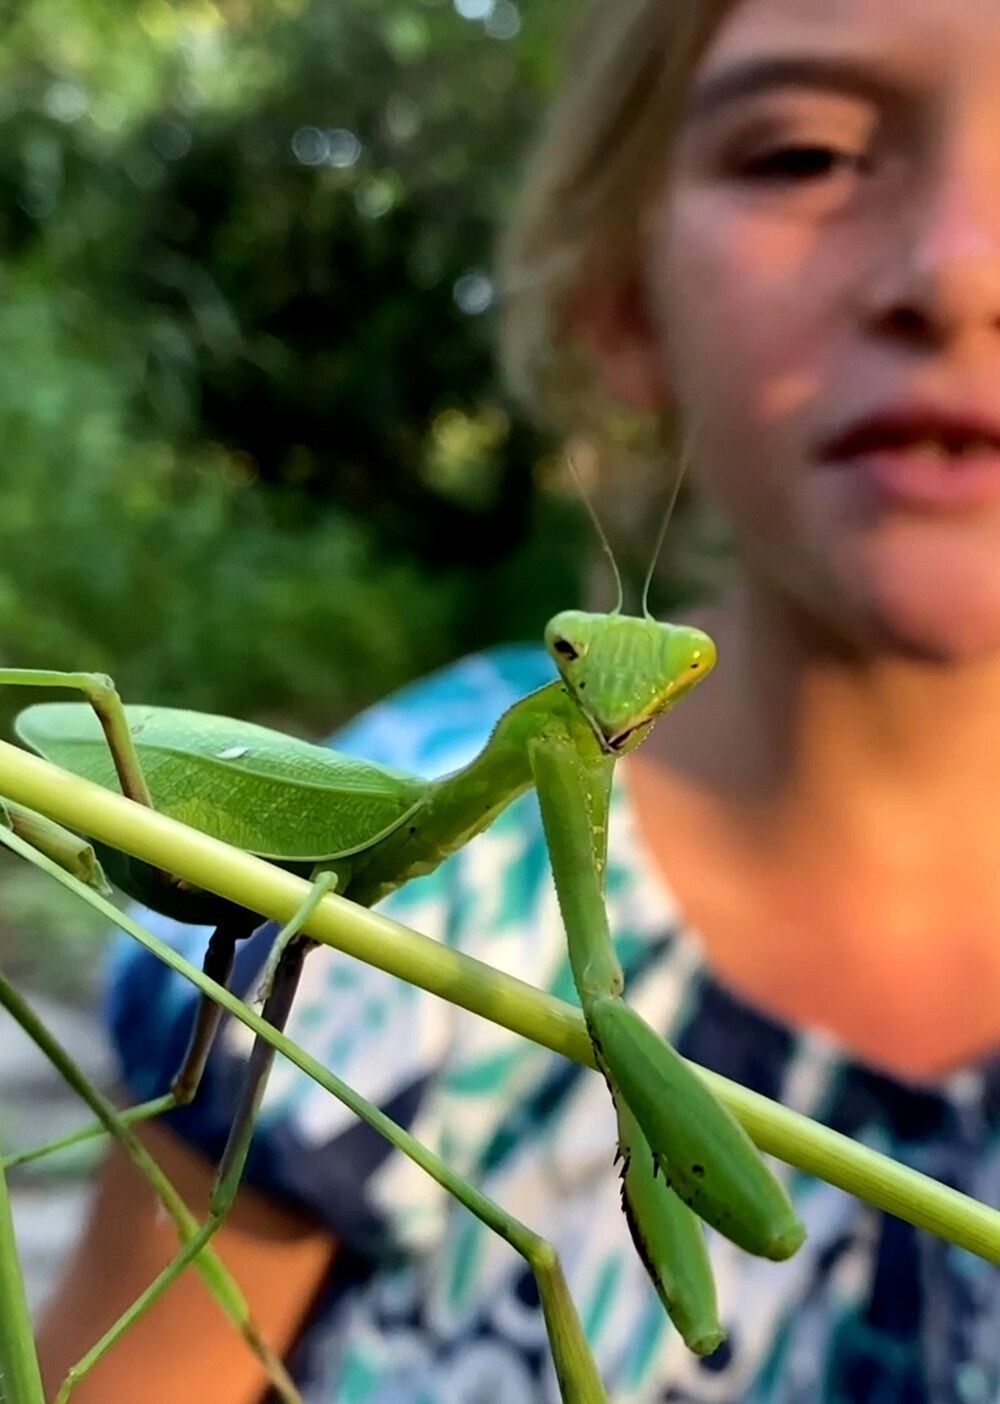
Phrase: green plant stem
(20, 1374)
(517, 1006)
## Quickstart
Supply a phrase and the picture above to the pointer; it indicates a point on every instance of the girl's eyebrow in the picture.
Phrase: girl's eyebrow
(749, 77)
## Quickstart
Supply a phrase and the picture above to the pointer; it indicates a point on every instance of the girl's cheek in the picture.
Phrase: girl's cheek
(746, 313)
(734, 299)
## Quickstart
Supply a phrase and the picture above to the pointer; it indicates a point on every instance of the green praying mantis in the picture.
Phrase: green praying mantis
(655, 1091)
(362, 830)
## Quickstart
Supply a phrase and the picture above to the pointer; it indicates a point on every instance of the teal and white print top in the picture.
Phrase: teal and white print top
(425, 1306)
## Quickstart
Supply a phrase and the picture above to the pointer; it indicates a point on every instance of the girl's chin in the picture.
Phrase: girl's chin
(929, 589)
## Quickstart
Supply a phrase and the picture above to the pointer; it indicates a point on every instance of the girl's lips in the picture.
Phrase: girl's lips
(931, 482)
(921, 455)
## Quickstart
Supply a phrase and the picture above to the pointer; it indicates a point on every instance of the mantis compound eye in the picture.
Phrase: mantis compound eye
(570, 651)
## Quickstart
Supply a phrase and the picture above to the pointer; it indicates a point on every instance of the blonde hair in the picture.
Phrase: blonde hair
(603, 148)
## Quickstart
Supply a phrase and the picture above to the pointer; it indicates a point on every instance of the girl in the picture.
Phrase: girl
(775, 223)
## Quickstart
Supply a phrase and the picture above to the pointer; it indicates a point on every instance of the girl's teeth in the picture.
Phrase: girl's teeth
(978, 448)
(936, 449)
(926, 448)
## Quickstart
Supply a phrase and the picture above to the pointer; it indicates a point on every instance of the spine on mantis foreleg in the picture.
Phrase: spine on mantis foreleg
(699, 1146)
(669, 1239)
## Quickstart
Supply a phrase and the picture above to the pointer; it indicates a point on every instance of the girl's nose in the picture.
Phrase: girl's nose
(940, 279)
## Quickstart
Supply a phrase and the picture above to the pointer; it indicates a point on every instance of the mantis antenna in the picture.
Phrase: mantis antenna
(601, 534)
(685, 460)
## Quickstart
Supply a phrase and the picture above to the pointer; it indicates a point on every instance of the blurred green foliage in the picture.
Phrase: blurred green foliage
(256, 457)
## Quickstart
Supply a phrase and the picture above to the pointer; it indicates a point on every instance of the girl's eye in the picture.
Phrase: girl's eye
(805, 162)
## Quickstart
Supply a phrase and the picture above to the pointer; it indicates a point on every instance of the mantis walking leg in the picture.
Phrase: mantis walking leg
(218, 965)
(323, 883)
(102, 695)
(215, 1275)
(235, 923)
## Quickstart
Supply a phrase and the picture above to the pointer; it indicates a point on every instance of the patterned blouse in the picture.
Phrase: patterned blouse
(424, 1305)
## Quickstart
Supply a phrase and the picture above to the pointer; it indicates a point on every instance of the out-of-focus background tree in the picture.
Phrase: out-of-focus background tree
(255, 454)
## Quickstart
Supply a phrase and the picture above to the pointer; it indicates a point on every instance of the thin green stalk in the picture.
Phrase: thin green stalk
(788, 1135)
(20, 1375)
(147, 1112)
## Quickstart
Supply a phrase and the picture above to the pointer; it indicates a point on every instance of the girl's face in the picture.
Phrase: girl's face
(822, 294)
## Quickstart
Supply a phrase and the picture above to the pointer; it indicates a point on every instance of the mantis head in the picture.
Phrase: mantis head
(624, 671)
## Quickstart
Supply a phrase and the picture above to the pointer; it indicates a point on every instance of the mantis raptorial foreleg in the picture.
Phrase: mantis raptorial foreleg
(670, 1240)
(700, 1148)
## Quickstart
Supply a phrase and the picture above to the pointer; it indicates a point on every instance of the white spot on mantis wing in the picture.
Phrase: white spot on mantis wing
(233, 753)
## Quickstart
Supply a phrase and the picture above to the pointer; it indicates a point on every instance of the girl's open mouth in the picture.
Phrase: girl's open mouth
(923, 458)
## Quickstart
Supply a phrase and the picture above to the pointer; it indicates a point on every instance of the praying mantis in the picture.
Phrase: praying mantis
(363, 830)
